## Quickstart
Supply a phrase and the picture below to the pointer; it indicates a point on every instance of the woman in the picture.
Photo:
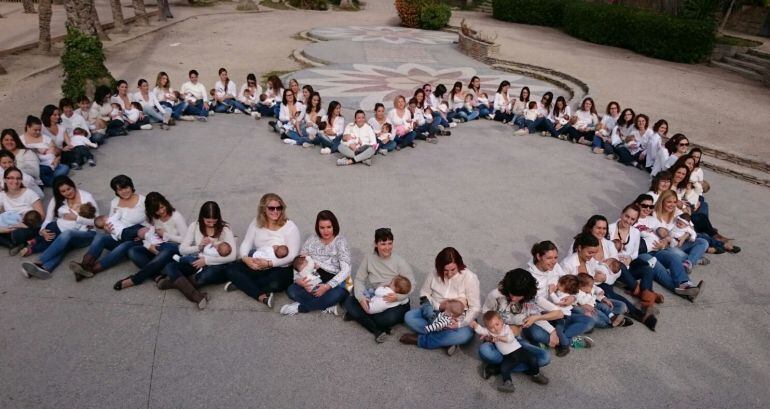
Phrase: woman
(502, 105)
(168, 98)
(642, 135)
(63, 229)
(602, 142)
(99, 114)
(583, 123)
(541, 123)
(307, 130)
(376, 122)
(170, 227)
(271, 106)
(474, 88)
(654, 143)
(304, 96)
(151, 105)
(700, 185)
(660, 183)
(249, 95)
(331, 254)
(294, 87)
(209, 230)
(26, 159)
(45, 149)
(120, 96)
(442, 116)
(623, 128)
(226, 96)
(673, 149)
(451, 280)
(8, 160)
(426, 131)
(517, 302)
(457, 103)
(260, 278)
(519, 105)
(331, 136)
(401, 120)
(289, 116)
(680, 183)
(51, 119)
(18, 199)
(378, 268)
(130, 207)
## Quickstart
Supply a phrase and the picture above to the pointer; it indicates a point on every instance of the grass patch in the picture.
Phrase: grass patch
(273, 5)
(737, 41)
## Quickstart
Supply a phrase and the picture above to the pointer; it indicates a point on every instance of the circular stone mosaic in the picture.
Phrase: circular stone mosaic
(392, 35)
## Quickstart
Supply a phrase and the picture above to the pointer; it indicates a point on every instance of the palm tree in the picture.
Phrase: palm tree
(140, 13)
(44, 19)
(29, 6)
(117, 16)
(81, 14)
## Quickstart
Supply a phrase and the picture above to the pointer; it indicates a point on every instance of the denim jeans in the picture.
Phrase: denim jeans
(327, 142)
(216, 274)
(265, 110)
(64, 242)
(415, 320)
(572, 325)
(484, 110)
(153, 114)
(17, 237)
(574, 134)
(609, 292)
(176, 110)
(694, 250)
(375, 323)
(439, 120)
(602, 313)
(138, 124)
(256, 283)
(300, 139)
(308, 302)
(712, 242)
(673, 272)
(390, 146)
(48, 174)
(117, 249)
(490, 355)
(406, 139)
(150, 265)
(41, 244)
(541, 124)
(196, 109)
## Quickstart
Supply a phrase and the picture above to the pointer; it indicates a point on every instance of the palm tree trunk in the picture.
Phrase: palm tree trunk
(95, 18)
(140, 13)
(44, 19)
(727, 16)
(117, 16)
(29, 6)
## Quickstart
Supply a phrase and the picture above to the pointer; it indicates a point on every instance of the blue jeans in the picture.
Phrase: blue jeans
(216, 274)
(300, 139)
(439, 120)
(153, 114)
(624, 155)
(484, 110)
(390, 146)
(150, 265)
(536, 335)
(694, 250)
(235, 104)
(572, 325)
(64, 242)
(48, 174)
(257, 283)
(117, 249)
(308, 302)
(415, 321)
(176, 110)
(265, 110)
(602, 313)
(196, 109)
(673, 272)
(41, 244)
(406, 139)
(541, 124)
(490, 355)
(375, 323)
(326, 142)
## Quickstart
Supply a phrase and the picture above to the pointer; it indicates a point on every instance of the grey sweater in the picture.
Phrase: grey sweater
(375, 271)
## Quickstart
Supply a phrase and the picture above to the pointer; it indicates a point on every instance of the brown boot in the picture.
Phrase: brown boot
(409, 339)
(648, 298)
(96, 268)
(88, 262)
(188, 290)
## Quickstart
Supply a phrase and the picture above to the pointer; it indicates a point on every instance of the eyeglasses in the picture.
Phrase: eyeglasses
(684, 144)
(646, 206)
(275, 208)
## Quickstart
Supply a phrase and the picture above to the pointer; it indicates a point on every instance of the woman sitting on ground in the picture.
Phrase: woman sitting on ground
(623, 128)
(18, 201)
(52, 128)
(655, 143)
(151, 106)
(503, 106)
(25, 159)
(541, 123)
(168, 98)
(380, 268)
(700, 185)
(99, 116)
(305, 134)
(330, 254)
(334, 126)
(639, 139)
(457, 104)
(583, 123)
(603, 142)
(673, 149)
(45, 149)
(271, 105)
(260, 273)
(359, 144)
(401, 120)
(226, 96)
(483, 106)
(450, 282)
(249, 95)
(290, 114)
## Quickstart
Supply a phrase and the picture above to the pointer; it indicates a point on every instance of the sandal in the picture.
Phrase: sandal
(119, 285)
(733, 249)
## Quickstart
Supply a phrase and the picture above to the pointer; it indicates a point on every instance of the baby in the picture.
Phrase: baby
(683, 232)
(507, 344)
(604, 311)
(483, 99)
(87, 211)
(80, 138)
(215, 250)
(274, 250)
(117, 112)
(151, 239)
(305, 268)
(449, 310)
(566, 287)
(398, 285)
(31, 219)
(115, 220)
(530, 114)
(385, 135)
(468, 103)
(264, 100)
(611, 266)
(134, 114)
(632, 144)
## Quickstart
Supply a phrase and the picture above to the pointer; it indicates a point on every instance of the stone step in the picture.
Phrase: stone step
(578, 88)
(759, 69)
(760, 54)
(738, 70)
(753, 59)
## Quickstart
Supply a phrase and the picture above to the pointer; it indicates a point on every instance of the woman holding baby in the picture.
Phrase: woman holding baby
(450, 283)
(329, 254)
(380, 269)
(257, 276)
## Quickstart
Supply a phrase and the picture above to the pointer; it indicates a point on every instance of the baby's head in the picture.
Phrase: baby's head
(212, 92)
(79, 131)
(662, 232)
(618, 244)
(386, 128)
(136, 106)
(87, 211)
(115, 106)
(7, 159)
(281, 251)
(613, 264)
(224, 249)
(532, 105)
(262, 97)
(453, 308)
(568, 284)
(493, 321)
(683, 221)
(400, 285)
(468, 98)
(299, 262)
(246, 92)
(32, 219)
(100, 221)
(586, 282)
(484, 95)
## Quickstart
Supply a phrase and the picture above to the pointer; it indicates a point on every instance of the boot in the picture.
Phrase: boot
(88, 262)
(96, 268)
(648, 306)
(648, 298)
(188, 290)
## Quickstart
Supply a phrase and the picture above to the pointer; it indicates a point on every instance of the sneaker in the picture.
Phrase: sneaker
(562, 137)
(381, 337)
(521, 132)
(440, 128)
(367, 162)
(609, 157)
(688, 289)
(75, 166)
(425, 134)
(582, 341)
(598, 151)
(331, 310)
(343, 162)
(201, 119)
(269, 300)
(383, 152)
(16, 249)
(238, 111)
(506, 386)
(451, 350)
(543, 133)
(290, 309)
(32, 269)
(176, 257)
(187, 118)
(307, 145)
(289, 141)
(256, 115)
(326, 151)
(484, 371)
(539, 379)
(91, 163)
(230, 287)
(398, 147)
(446, 133)
(453, 124)
(490, 117)
(145, 127)
(271, 125)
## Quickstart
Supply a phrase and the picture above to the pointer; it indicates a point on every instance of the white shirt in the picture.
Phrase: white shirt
(506, 342)
(545, 278)
(58, 139)
(80, 223)
(29, 183)
(220, 91)
(193, 237)
(196, 91)
(174, 229)
(129, 216)
(631, 248)
(404, 120)
(338, 125)
(46, 159)
(151, 100)
(75, 121)
(21, 204)
(257, 237)
(502, 102)
(363, 135)
(464, 284)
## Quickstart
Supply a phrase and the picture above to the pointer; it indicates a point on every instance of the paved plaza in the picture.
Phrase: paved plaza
(483, 191)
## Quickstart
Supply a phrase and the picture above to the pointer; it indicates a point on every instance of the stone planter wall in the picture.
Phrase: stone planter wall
(724, 50)
(477, 49)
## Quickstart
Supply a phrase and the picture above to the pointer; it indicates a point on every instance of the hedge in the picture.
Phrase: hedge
(646, 32)
(434, 16)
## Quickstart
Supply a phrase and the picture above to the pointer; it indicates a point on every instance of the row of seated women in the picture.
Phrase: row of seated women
(544, 304)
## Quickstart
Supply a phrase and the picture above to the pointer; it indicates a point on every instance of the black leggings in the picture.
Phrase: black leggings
(375, 323)
(516, 357)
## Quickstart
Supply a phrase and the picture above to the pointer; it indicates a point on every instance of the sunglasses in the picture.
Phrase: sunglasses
(684, 144)
(275, 208)
(646, 206)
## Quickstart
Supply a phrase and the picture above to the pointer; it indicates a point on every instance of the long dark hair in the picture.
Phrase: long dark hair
(591, 223)
(45, 116)
(585, 240)
(540, 248)
(332, 106)
(622, 118)
(680, 165)
(503, 84)
(556, 111)
(446, 256)
(548, 96)
(439, 91)
(210, 210)
(308, 104)
(380, 235)
(152, 203)
(673, 143)
(57, 196)
(455, 90)
(518, 282)
(662, 175)
(470, 84)
(14, 135)
(521, 94)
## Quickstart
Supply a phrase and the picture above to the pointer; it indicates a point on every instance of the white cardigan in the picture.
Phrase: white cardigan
(464, 284)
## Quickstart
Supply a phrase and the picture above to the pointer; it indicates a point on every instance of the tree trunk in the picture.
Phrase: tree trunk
(164, 10)
(117, 16)
(2, 70)
(29, 6)
(246, 5)
(727, 16)
(44, 19)
(346, 4)
(95, 18)
(140, 13)
(80, 15)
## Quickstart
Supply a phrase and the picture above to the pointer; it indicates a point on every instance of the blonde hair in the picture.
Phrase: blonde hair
(659, 204)
(397, 98)
(262, 210)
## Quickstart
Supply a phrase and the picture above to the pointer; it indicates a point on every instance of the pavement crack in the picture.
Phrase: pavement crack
(155, 349)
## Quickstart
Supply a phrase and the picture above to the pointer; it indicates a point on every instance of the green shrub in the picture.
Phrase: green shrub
(83, 64)
(655, 35)
(537, 12)
(435, 16)
(310, 4)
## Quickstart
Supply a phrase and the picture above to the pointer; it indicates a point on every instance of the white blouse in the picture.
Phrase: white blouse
(80, 223)
(21, 204)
